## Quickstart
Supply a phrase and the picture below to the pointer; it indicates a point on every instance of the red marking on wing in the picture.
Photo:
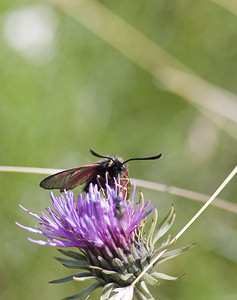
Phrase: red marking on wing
(81, 177)
(76, 176)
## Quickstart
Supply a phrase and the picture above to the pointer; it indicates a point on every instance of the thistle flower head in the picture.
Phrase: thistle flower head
(108, 232)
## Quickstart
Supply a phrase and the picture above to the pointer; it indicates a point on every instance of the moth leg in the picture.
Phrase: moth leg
(99, 179)
(125, 187)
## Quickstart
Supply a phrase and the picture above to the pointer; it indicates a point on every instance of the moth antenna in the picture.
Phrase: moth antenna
(144, 158)
(100, 156)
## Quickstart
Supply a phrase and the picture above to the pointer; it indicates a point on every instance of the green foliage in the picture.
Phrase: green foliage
(90, 96)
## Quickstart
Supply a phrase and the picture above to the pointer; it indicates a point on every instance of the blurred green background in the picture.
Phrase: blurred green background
(65, 90)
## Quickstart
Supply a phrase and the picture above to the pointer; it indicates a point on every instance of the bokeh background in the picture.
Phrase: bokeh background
(65, 89)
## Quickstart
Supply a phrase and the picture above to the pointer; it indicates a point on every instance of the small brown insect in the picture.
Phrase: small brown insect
(97, 173)
(119, 208)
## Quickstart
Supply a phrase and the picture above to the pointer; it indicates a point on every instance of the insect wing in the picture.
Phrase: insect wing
(69, 179)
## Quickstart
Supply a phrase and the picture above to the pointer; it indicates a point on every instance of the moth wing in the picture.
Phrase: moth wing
(81, 177)
(69, 179)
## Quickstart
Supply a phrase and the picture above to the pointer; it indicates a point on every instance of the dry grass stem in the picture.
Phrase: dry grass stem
(232, 207)
(201, 210)
(29, 170)
(149, 56)
(230, 5)
(229, 206)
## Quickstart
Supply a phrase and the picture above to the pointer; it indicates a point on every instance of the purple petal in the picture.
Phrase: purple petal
(90, 221)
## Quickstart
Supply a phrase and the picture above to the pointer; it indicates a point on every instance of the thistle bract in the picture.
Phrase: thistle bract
(112, 247)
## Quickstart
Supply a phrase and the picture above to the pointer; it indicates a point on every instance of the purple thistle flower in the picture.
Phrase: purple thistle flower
(89, 222)
(109, 232)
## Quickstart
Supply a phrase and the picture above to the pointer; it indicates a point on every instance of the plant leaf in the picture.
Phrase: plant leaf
(173, 253)
(164, 225)
(150, 241)
(107, 291)
(74, 264)
(143, 292)
(149, 279)
(68, 278)
(165, 276)
(87, 291)
(83, 278)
